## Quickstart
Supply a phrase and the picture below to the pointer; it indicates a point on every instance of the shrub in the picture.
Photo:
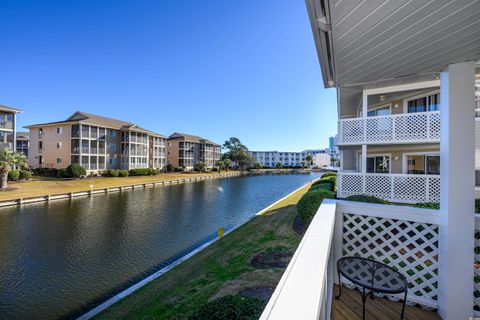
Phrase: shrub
(428, 205)
(13, 175)
(169, 168)
(200, 166)
(364, 198)
(139, 172)
(113, 172)
(329, 174)
(25, 175)
(233, 307)
(214, 169)
(75, 171)
(123, 173)
(62, 173)
(310, 202)
(151, 171)
(477, 205)
(330, 179)
(323, 185)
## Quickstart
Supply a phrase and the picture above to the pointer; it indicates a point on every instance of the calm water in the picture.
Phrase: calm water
(60, 259)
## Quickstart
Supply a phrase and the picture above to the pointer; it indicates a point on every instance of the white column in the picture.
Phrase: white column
(457, 191)
(364, 116)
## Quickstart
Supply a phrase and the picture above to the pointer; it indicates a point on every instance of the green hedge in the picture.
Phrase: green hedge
(477, 205)
(310, 202)
(233, 307)
(143, 172)
(364, 198)
(428, 205)
(324, 185)
(123, 173)
(75, 171)
(25, 175)
(329, 174)
(13, 175)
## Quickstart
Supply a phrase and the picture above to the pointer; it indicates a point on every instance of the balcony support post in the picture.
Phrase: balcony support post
(456, 245)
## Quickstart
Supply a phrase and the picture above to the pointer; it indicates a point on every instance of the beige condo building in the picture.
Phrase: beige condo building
(185, 150)
(96, 143)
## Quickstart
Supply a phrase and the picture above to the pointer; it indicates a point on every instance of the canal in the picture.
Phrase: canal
(60, 259)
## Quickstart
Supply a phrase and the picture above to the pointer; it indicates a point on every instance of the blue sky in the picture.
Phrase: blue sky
(245, 68)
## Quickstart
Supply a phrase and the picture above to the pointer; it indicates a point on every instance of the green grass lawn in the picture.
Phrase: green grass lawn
(40, 186)
(221, 269)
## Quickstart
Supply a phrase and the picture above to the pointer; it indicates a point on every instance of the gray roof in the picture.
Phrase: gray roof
(93, 119)
(190, 137)
(7, 108)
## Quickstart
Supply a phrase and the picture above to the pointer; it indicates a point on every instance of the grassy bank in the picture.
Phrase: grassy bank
(222, 269)
(40, 186)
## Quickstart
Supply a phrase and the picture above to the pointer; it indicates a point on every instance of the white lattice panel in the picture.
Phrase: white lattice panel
(398, 128)
(352, 130)
(409, 247)
(379, 185)
(476, 283)
(411, 127)
(379, 129)
(434, 126)
(406, 188)
(350, 184)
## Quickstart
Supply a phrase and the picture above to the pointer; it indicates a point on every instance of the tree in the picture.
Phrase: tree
(244, 160)
(227, 163)
(8, 160)
(220, 165)
(279, 165)
(304, 164)
(236, 150)
(309, 159)
(258, 165)
(200, 166)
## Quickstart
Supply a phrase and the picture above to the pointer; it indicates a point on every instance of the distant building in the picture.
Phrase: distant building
(321, 160)
(96, 143)
(8, 124)
(269, 159)
(185, 150)
(22, 143)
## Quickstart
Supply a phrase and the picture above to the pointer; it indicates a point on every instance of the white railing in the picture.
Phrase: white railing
(421, 127)
(402, 188)
(305, 290)
(404, 238)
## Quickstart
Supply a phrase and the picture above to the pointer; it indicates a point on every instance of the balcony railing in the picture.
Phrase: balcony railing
(422, 127)
(404, 238)
(402, 188)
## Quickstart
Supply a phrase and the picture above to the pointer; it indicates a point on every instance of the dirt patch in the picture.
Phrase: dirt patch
(267, 260)
(298, 226)
(262, 293)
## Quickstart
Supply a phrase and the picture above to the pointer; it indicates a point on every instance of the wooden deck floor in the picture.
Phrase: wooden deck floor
(349, 307)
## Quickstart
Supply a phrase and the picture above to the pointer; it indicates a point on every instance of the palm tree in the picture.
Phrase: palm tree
(8, 160)
(309, 159)
(228, 163)
(220, 165)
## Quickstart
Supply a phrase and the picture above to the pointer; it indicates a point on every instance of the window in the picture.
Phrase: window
(40, 145)
(40, 160)
(59, 160)
(59, 145)
(422, 163)
(113, 133)
(59, 130)
(378, 164)
(423, 104)
(477, 178)
(111, 161)
(381, 111)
